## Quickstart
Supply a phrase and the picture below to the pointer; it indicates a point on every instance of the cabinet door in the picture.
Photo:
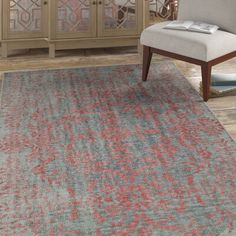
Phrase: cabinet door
(73, 18)
(162, 10)
(24, 19)
(120, 17)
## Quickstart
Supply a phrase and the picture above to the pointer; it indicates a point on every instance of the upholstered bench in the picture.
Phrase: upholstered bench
(202, 49)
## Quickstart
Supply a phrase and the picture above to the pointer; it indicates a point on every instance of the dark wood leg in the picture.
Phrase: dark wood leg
(206, 80)
(147, 57)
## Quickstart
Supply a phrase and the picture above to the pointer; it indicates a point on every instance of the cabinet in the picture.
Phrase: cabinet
(23, 24)
(63, 24)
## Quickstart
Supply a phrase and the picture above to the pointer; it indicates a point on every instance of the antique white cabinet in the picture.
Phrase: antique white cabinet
(63, 24)
(23, 24)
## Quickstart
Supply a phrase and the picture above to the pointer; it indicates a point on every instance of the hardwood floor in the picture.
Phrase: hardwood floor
(224, 108)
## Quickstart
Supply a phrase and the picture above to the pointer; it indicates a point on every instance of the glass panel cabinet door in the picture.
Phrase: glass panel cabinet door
(24, 18)
(162, 10)
(75, 18)
(120, 17)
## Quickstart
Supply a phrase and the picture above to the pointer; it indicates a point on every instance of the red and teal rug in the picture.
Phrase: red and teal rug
(95, 151)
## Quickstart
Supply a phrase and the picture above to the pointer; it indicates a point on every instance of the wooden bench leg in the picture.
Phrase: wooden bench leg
(206, 80)
(147, 57)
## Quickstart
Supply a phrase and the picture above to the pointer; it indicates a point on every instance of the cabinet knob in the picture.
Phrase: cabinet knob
(100, 2)
(94, 2)
(45, 2)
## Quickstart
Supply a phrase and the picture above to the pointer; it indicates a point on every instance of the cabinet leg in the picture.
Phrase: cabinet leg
(4, 52)
(52, 50)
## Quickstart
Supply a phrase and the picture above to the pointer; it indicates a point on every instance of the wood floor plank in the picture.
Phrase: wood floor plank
(231, 129)
(223, 103)
(227, 117)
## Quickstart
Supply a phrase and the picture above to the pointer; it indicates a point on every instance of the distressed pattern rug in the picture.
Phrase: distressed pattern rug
(95, 151)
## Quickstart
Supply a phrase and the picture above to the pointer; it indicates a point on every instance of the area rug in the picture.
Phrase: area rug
(95, 151)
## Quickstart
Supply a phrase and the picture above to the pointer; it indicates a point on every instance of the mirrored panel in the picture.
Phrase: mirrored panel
(120, 14)
(25, 15)
(161, 10)
(73, 15)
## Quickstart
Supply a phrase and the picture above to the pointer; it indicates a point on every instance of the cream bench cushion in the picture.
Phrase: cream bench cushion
(204, 47)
